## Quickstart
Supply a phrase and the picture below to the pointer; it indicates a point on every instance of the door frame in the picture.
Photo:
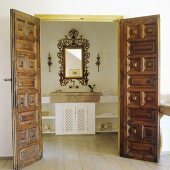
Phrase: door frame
(92, 18)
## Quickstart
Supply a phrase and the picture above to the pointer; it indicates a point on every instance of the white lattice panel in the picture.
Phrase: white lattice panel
(69, 120)
(81, 119)
(75, 118)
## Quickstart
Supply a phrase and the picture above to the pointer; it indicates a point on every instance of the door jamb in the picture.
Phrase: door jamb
(92, 18)
(82, 18)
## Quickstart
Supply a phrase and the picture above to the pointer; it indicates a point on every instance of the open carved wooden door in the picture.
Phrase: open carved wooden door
(26, 89)
(139, 88)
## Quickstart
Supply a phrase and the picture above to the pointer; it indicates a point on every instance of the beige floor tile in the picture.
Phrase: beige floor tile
(86, 152)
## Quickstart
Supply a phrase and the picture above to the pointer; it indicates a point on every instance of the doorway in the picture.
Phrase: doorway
(103, 41)
(139, 46)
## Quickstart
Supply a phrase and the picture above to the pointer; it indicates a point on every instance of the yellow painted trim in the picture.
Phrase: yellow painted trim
(118, 42)
(160, 132)
(92, 18)
(84, 18)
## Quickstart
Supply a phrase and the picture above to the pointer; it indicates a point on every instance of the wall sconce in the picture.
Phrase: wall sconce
(98, 62)
(49, 62)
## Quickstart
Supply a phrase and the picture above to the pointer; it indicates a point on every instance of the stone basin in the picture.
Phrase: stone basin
(74, 97)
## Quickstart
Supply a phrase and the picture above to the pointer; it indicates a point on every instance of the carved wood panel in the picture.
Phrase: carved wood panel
(142, 81)
(149, 65)
(139, 88)
(144, 47)
(139, 132)
(141, 64)
(27, 119)
(28, 155)
(26, 64)
(134, 64)
(143, 115)
(147, 151)
(26, 89)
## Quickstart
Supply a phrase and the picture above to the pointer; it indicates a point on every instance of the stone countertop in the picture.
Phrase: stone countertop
(76, 93)
(74, 97)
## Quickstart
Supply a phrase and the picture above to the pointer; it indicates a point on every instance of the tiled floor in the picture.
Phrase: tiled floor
(91, 152)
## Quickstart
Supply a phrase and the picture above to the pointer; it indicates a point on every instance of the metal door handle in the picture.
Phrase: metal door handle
(7, 79)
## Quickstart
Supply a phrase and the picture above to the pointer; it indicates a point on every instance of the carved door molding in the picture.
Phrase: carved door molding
(139, 88)
(26, 89)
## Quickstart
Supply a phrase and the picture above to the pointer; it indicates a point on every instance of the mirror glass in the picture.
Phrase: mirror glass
(73, 63)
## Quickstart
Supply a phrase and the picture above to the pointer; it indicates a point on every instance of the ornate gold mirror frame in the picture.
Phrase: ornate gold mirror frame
(74, 41)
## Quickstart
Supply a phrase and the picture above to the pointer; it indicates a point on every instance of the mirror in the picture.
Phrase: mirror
(73, 63)
(73, 58)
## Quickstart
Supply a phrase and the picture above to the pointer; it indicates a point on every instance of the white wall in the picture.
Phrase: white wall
(102, 41)
(128, 8)
(165, 125)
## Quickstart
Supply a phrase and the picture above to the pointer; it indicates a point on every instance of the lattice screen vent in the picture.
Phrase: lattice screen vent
(82, 120)
(69, 120)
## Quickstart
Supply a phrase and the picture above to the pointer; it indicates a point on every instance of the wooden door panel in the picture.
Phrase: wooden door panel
(25, 29)
(141, 64)
(27, 100)
(27, 119)
(139, 88)
(141, 115)
(142, 98)
(147, 29)
(133, 31)
(25, 46)
(134, 132)
(144, 47)
(28, 155)
(25, 81)
(26, 65)
(149, 133)
(134, 64)
(31, 64)
(27, 137)
(150, 98)
(142, 81)
(23, 138)
(21, 63)
(134, 98)
(147, 151)
(149, 65)
(26, 90)
(150, 29)
(137, 131)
